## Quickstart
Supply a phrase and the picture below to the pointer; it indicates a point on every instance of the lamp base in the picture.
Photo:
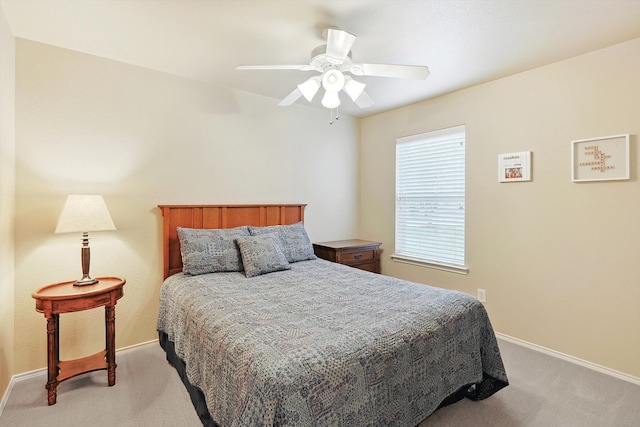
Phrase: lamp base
(86, 281)
(86, 257)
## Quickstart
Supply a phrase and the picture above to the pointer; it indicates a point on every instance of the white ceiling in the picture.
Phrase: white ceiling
(464, 42)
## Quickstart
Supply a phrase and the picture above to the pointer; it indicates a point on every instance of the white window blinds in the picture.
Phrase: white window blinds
(430, 198)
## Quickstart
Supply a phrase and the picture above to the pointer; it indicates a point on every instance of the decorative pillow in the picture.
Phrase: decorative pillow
(294, 239)
(262, 254)
(210, 251)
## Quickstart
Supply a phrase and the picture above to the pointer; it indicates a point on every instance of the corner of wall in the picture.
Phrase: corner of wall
(7, 202)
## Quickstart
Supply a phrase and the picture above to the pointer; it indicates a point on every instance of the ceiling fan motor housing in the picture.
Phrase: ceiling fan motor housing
(323, 62)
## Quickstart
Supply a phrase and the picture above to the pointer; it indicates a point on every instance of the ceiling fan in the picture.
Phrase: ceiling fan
(333, 60)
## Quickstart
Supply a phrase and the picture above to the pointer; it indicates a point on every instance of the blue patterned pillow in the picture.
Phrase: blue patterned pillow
(262, 254)
(294, 239)
(210, 251)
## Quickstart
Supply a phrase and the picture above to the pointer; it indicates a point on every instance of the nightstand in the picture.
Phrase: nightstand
(362, 254)
(58, 298)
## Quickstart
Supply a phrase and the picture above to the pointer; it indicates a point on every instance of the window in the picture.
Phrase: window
(430, 199)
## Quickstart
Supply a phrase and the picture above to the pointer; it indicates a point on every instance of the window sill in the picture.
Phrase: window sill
(434, 265)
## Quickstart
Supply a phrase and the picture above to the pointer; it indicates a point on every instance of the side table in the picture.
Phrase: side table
(57, 298)
(357, 253)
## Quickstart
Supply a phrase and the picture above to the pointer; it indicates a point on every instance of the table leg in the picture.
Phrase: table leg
(110, 322)
(53, 356)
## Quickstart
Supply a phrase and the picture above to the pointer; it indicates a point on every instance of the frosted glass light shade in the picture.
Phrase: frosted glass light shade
(333, 80)
(310, 87)
(331, 99)
(84, 212)
(353, 88)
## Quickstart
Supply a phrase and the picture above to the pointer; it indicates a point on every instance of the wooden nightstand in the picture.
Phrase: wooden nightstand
(52, 300)
(362, 254)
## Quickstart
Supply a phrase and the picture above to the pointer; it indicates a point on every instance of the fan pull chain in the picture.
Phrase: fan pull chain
(331, 115)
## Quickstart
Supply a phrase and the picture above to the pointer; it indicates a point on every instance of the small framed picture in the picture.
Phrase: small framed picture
(514, 167)
(600, 159)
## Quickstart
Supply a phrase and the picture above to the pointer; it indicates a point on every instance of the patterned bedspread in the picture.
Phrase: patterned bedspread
(324, 344)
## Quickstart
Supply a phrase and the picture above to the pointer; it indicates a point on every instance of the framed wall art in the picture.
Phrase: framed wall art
(600, 159)
(514, 167)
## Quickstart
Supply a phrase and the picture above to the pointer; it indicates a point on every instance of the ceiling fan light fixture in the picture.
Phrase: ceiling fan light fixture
(309, 88)
(353, 88)
(332, 60)
(333, 80)
(330, 99)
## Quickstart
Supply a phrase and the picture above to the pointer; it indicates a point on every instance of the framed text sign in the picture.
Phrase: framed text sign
(600, 159)
(514, 167)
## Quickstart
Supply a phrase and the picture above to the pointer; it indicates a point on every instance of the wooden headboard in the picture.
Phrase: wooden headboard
(217, 216)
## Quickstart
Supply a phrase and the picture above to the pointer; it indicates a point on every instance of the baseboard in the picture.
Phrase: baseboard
(43, 371)
(5, 396)
(155, 341)
(19, 377)
(572, 359)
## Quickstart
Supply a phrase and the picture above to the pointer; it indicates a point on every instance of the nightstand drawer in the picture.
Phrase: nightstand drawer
(355, 257)
(362, 254)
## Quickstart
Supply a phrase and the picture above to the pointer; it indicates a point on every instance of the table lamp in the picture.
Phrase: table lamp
(84, 213)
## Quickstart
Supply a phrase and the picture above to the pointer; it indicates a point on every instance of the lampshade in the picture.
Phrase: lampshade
(353, 88)
(84, 212)
(310, 87)
(330, 99)
(333, 80)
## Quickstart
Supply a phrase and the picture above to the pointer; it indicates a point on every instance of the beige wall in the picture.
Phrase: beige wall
(143, 138)
(7, 199)
(559, 260)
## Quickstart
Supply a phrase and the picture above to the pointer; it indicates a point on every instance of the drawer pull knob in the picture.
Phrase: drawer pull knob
(357, 256)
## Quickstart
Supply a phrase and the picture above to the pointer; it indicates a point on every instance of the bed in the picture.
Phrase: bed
(263, 333)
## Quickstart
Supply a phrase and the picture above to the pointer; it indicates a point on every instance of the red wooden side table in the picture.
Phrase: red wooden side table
(57, 298)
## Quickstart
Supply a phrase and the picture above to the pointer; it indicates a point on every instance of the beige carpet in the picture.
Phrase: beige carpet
(544, 391)
(148, 392)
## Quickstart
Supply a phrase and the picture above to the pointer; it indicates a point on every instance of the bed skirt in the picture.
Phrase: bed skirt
(197, 397)
(473, 392)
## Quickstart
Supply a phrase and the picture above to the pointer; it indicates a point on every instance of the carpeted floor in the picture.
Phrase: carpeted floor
(544, 391)
(148, 392)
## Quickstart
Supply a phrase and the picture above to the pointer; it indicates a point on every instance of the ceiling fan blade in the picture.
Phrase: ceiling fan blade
(339, 43)
(364, 100)
(291, 98)
(417, 72)
(275, 67)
